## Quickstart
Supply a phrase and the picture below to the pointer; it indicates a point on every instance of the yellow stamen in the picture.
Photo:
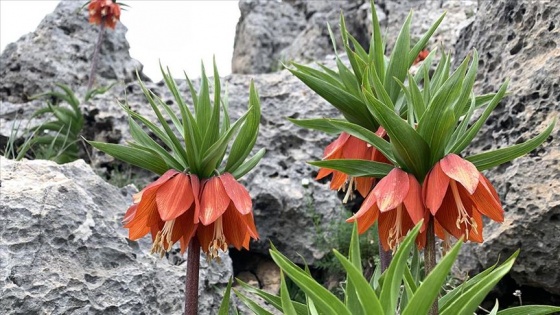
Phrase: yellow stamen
(463, 217)
(218, 240)
(349, 190)
(163, 237)
(396, 233)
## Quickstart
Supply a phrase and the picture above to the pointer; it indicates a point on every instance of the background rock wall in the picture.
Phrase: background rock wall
(518, 40)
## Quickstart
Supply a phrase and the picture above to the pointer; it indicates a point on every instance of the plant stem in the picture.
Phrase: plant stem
(191, 282)
(430, 258)
(385, 257)
(95, 55)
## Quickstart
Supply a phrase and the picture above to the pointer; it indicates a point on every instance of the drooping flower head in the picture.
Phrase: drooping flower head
(106, 12)
(197, 200)
(226, 215)
(350, 147)
(396, 202)
(457, 195)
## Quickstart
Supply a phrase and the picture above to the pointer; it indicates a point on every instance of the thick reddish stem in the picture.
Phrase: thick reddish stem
(430, 258)
(191, 282)
(94, 58)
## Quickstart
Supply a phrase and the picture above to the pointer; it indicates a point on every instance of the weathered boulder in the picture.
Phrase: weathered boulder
(520, 41)
(60, 51)
(63, 249)
(269, 33)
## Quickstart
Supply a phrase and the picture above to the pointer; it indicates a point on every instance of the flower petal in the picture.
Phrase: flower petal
(323, 172)
(205, 235)
(195, 185)
(338, 179)
(213, 201)
(391, 190)
(184, 229)
(174, 197)
(461, 171)
(413, 200)
(367, 215)
(386, 222)
(364, 185)
(146, 212)
(130, 213)
(355, 148)
(434, 188)
(335, 146)
(234, 227)
(485, 201)
(447, 216)
(237, 193)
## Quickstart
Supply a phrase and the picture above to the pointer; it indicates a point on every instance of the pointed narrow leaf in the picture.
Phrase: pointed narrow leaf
(287, 306)
(424, 40)
(356, 168)
(321, 124)
(272, 299)
(257, 309)
(490, 159)
(398, 63)
(133, 156)
(224, 306)
(428, 291)
(531, 310)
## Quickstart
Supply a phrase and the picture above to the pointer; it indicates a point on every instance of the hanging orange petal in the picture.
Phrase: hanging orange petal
(434, 188)
(486, 204)
(391, 190)
(338, 180)
(174, 197)
(367, 215)
(413, 201)
(184, 229)
(214, 201)
(137, 230)
(205, 236)
(130, 213)
(323, 172)
(335, 146)
(234, 228)
(460, 170)
(386, 222)
(237, 193)
(147, 209)
(364, 185)
(195, 185)
(447, 216)
(355, 148)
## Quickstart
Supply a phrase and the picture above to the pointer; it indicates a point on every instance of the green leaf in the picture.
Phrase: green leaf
(257, 309)
(142, 138)
(408, 144)
(428, 291)
(245, 141)
(224, 306)
(272, 299)
(377, 49)
(368, 300)
(351, 299)
(134, 156)
(424, 40)
(351, 107)
(366, 135)
(355, 167)
(249, 164)
(321, 124)
(469, 300)
(324, 300)
(398, 63)
(531, 310)
(287, 306)
(473, 130)
(487, 160)
(394, 273)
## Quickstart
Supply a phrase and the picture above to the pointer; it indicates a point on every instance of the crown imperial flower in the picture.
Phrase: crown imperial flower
(457, 195)
(106, 12)
(396, 201)
(350, 147)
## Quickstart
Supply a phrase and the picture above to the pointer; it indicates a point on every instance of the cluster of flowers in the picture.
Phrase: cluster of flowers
(104, 12)
(454, 192)
(178, 206)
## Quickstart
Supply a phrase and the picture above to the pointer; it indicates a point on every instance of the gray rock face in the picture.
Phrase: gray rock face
(520, 41)
(60, 51)
(269, 33)
(63, 250)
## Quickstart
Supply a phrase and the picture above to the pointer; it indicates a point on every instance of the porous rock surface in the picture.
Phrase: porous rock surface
(60, 51)
(270, 33)
(63, 249)
(520, 41)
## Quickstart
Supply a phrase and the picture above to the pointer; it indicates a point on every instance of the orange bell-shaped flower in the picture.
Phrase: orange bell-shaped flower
(107, 12)
(457, 195)
(396, 201)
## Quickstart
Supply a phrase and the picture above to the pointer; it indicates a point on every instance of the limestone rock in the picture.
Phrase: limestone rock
(520, 41)
(60, 51)
(63, 250)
